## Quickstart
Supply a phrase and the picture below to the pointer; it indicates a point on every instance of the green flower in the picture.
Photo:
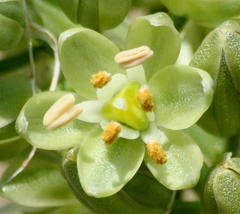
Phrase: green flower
(147, 105)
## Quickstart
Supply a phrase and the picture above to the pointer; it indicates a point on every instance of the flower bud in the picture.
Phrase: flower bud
(219, 55)
(222, 189)
(98, 15)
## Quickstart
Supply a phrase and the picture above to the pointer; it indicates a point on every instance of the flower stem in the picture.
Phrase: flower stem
(171, 202)
(30, 48)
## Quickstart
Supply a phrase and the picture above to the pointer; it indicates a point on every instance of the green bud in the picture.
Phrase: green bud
(206, 12)
(95, 14)
(222, 189)
(125, 107)
(219, 55)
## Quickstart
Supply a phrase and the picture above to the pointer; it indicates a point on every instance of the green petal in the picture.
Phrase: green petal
(15, 89)
(181, 95)
(155, 30)
(104, 169)
(29, 125)
(39, 185)
(91, 111)
(184, 162)
(84, 52)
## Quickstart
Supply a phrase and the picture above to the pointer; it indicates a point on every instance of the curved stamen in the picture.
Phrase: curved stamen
(156, 152)
(111, 132)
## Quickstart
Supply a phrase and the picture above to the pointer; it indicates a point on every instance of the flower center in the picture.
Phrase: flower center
(125, 107)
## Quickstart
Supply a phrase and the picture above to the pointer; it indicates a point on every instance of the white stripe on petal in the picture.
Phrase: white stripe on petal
(136, 74)
(153, 134)
(91, 111)
(126, 132)
(112, 87)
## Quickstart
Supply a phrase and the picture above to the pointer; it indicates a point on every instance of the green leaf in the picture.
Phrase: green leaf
(30, 125)
(155, 30)
(12, 148)
(146, 190)
(184, 161)
(52, 16)
(7, 132)
(104, 169)
(15, 89)
(13, 10)
(11, 33)
(181, 95)
(84, 52)
(219, 56)
(39, 185)
(118, 203)
(213, 147)
(96, 14)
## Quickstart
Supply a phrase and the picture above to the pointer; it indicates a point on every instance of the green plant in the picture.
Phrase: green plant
(108, 112)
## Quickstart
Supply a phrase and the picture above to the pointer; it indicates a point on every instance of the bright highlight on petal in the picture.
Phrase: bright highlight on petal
(136, 74)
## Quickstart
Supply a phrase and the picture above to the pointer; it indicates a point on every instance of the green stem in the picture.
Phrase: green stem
(171, 203)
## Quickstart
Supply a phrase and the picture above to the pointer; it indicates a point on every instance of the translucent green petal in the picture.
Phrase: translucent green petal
(29, 125)
(181, 95)
(39, 185)
(126, 132)
(153, 31)
(84, 52)
(118, 81)
(91, 111)
(104, 169)
(15, 89)
(184, 162)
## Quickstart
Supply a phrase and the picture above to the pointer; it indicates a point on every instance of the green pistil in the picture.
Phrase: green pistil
(124, 107)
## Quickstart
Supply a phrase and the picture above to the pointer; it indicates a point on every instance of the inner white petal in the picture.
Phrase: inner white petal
(125, 132)
(136, 74)
(91, 111)
(154, 134)
(112, 87)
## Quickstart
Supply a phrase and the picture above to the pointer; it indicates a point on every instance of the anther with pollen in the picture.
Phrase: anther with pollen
(145, 98)
(111, 132)
(156, 152)
(100, 79)
(133, 57)
(61, 112)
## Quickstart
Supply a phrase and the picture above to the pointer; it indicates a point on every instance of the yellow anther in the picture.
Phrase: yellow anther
(111, 132)
(133, 57)
(156, 152)
(61, 112)
(145, 98)
(100, 79)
